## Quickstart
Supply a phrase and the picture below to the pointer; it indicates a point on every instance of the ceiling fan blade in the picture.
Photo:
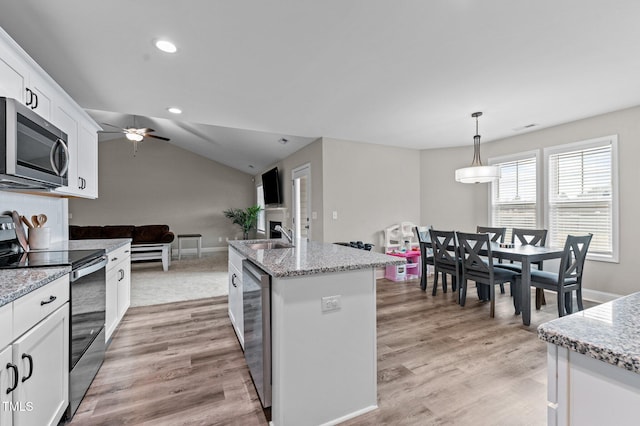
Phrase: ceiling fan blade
(157, 137)
(111, 131)
(107, 124)
(145, 130)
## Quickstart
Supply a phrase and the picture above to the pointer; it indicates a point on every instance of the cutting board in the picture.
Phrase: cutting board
(22, 237)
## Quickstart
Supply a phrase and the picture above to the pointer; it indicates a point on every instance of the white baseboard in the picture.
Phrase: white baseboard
(598, 296)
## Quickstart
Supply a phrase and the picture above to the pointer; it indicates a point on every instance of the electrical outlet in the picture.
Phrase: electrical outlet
(331, 303)
(314, 215)
(335, 214)
(219, 239)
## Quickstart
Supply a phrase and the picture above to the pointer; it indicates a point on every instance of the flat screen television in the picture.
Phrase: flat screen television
(271, 187)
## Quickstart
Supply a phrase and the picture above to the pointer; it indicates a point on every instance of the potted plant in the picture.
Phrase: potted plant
(246, 218)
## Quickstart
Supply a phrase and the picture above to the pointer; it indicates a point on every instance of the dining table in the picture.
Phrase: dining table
(526, 255)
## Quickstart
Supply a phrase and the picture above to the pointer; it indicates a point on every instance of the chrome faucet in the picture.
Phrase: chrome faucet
(288, 235)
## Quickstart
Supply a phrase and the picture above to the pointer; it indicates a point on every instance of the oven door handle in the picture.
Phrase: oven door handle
(90, 268)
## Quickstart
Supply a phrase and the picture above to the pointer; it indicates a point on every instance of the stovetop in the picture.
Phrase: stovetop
(35, 259)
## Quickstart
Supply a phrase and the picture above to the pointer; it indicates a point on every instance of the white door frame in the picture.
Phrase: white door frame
(296, 175)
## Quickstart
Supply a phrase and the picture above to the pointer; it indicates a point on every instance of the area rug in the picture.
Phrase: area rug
(187, 279)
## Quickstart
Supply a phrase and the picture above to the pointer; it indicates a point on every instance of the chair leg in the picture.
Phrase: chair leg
(435, 282)
(501, 288)
(539, 298)
(579, 298)
(462, 296)
(423, 279)
(444, 282)
(560, 303)
(568, 302)
(492, 297)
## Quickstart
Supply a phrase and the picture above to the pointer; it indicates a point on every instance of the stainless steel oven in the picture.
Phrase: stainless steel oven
(33, 152)
(256, 307)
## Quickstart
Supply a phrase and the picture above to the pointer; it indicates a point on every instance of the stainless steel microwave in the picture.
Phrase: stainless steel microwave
(33, 152)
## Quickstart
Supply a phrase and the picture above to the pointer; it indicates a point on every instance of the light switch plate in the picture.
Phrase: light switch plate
(331, 303)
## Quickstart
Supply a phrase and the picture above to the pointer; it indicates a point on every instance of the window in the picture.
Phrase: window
(582, 195)
(261, 226)
(513, 197)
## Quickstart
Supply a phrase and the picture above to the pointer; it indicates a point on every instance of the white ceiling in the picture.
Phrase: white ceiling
(403, 73)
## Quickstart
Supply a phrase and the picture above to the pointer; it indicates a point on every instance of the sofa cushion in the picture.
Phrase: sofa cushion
(85, 232)
(149, 234)
(117, 231)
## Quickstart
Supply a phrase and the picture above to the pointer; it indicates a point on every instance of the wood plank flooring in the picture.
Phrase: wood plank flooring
(438, 364)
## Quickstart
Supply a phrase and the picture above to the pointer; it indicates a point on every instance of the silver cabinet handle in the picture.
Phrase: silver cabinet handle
(233, 280)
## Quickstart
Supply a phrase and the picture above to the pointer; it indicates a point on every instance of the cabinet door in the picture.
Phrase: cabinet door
(111, 314)
(235, 302)
(13, 75)
(42, 356)
(87, 155)
(7, 381)
(40, 97)
(124, 287)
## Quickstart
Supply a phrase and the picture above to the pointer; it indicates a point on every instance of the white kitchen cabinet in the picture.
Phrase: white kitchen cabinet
(235, 294)
(118, 276)
(34, 379)
(23, 79)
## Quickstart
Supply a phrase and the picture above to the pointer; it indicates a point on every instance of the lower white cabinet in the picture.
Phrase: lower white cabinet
(34, 381)
(235, 294)
(118, 274)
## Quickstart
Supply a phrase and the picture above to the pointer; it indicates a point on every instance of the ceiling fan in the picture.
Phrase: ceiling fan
(134, 134)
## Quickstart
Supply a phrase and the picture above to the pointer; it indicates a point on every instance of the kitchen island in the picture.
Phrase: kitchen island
(593, 365)
(323, 327)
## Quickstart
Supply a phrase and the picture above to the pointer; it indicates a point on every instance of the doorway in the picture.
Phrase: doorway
(301, 180)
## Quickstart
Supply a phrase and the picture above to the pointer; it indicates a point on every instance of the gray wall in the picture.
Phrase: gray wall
(371, 187)
(466, 206)
(164, 184)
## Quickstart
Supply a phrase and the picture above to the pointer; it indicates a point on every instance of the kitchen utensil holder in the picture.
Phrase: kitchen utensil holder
(39, 238)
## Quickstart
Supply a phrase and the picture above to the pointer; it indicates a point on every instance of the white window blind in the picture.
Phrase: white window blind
(513, 196)
(580, 196)
(261, 225)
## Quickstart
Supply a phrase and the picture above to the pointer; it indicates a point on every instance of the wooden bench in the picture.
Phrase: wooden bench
(160, 251)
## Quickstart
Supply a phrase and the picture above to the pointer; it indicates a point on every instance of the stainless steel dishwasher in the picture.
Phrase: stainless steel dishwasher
(256, 306)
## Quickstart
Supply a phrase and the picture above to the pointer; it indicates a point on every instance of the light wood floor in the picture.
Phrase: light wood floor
(438, 364)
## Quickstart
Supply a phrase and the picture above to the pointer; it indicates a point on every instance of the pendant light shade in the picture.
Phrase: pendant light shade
(476, 172)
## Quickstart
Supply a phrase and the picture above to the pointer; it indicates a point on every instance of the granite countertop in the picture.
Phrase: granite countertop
(15, 283)
(609, 332)
(106, 244)
(309, 257)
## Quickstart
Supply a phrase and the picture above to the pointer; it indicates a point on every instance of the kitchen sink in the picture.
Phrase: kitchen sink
(269, 245)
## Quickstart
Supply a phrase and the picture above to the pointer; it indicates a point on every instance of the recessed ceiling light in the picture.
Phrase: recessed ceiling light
(283, 141)
(166, 46)
(251, 166)
(174, 110)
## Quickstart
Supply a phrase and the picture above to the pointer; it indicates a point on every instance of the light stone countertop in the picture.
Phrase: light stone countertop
(309, 257)
(15, 283)
(609, 332)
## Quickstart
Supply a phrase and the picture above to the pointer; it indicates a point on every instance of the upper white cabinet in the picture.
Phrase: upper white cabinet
(23, 79)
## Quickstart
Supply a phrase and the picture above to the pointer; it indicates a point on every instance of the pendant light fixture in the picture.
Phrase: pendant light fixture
(477, 173)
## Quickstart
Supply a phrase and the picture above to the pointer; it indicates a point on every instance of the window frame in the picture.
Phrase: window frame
(494, 161)
(615, 218)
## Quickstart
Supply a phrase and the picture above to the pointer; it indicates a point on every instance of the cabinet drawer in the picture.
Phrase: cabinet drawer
(118, 255)
(6, 319)
(33, 307)
(236, 259)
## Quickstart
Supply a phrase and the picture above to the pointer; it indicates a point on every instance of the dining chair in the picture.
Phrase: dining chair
(569, 276)
(497, 236)
(472, 249)
(426, 252)
(445, 259)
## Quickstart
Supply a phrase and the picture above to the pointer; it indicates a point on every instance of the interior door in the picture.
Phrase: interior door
(301, 179)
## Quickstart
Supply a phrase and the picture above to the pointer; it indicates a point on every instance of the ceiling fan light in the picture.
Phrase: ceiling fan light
(135, 137)
(174, 110)
(166, 46)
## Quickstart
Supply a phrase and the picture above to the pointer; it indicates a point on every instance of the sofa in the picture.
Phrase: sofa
(148, 242)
